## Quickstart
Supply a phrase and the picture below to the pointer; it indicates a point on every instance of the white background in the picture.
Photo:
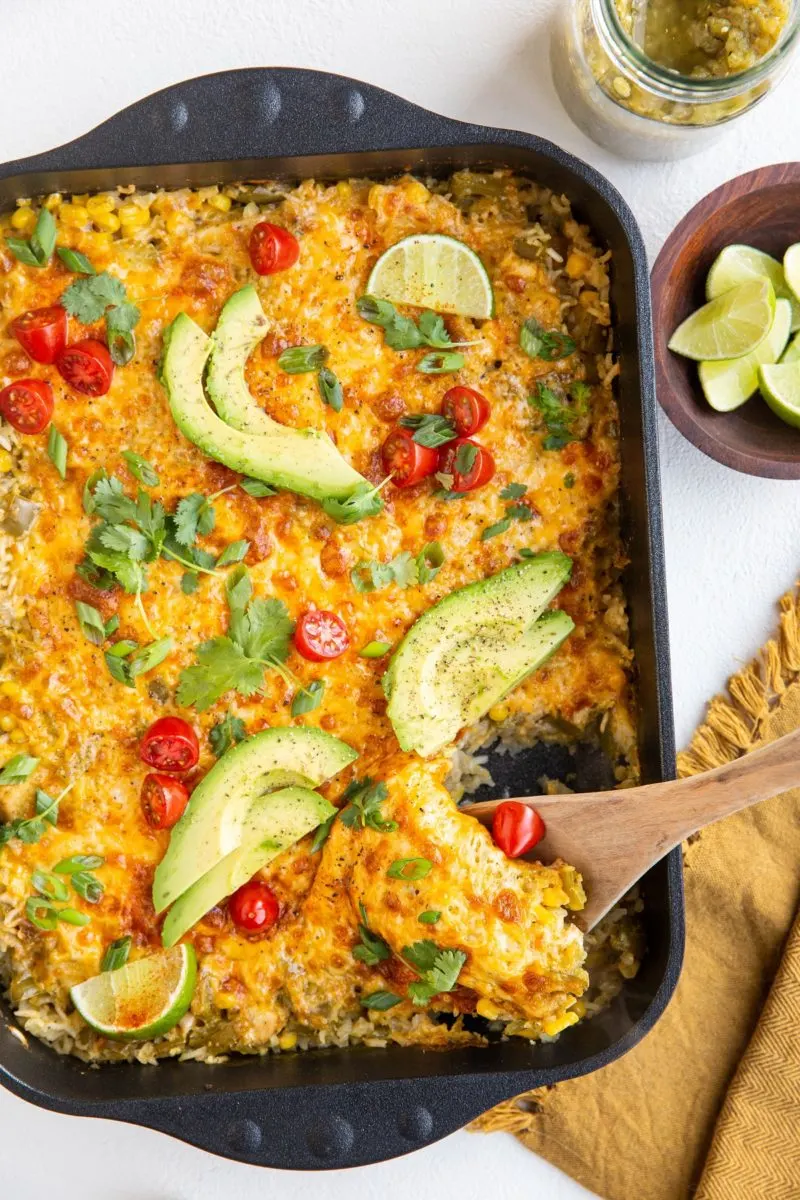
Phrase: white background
(732, 541)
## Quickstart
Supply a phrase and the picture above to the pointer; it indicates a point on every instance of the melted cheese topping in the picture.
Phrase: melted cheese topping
(187, 251)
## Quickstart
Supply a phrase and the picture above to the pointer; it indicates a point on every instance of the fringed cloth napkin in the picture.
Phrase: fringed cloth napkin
(708, 1105)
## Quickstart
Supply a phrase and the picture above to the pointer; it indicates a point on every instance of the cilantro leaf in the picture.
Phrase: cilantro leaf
(87, 299)
(17, 769)
(364, 798)
(404, 569)
(430, 429)
(364, 501)
(265, 630)
(513, 491)
(438, 969)
(373, 948)
(226, 733)
(110, 502)
(221, 667)
(560, 417)
(493, 530)
(547, 345)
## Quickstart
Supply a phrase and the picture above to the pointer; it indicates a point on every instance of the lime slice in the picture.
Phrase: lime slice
(728, 383)
(431, 270)
(142, 999)
(780, 387)
(730, 326)
(792, 351)
(738, 264)
(791, 272)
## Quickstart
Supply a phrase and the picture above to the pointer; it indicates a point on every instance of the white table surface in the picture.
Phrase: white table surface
(732, 542)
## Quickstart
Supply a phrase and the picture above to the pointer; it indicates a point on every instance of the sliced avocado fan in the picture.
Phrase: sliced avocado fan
(243, 437)
(272, 824)
(468, 651)
(213, 825)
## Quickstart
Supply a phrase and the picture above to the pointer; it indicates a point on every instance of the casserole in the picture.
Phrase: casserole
(243, 1109)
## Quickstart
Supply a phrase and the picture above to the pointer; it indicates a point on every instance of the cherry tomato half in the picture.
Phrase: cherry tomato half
(272, 248)
(480, 470)
(465, 409)
(170, 744)
(163, 800)
(27, 404)
(87, 367)
(405, 460)
(516, 828)
(254, 906)
(42, 332)
(319, 635)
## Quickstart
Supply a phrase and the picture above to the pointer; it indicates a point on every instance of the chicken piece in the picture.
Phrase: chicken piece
(523, 955)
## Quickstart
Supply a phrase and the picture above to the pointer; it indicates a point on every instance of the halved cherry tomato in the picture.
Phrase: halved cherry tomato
(27, 404)
(42, 332)
(319, 635)
(405, 460)
(516, 828)
(87, 367)
(170, 744)
(254, 906)
(163, 800)
(465, 409)
(272, 248)
(480, 471)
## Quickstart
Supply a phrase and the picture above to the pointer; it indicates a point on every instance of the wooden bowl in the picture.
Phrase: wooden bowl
(759, 209)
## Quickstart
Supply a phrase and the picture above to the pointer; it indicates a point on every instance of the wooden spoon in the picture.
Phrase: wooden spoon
(614, 837)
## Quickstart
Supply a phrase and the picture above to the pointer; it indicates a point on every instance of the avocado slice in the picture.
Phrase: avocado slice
(273, 823)
(214, 820)
(241, 326)
(469, 650)
(302, 460)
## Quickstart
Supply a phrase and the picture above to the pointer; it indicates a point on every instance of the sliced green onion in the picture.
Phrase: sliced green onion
(375, 650)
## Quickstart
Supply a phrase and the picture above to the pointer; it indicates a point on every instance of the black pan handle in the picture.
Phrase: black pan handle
(259, 112)
(308, 1129)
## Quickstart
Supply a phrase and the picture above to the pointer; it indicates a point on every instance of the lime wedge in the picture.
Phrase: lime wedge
(740, 264)
(792, 351)
(730, 326)
(728, 383)
(791, 272)
(780, 387)
(141, 1000)
(431, 270)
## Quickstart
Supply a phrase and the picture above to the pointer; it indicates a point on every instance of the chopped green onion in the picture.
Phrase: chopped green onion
(440, 364)
(116, 954)
(410, 869)
(298, 360)
(375, 649)
(57, 451)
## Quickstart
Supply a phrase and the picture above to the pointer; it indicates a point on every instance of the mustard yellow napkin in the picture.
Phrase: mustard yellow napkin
(708, 1105)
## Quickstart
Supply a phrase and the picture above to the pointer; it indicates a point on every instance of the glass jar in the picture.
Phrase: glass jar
(639, 108)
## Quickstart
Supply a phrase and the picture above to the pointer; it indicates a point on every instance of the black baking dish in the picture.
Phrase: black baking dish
(335, 1108)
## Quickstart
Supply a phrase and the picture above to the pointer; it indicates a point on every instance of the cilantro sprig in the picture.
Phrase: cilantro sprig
(438, 969)
(405, 569)
(364, 501)
(404, 333)
(549, 345)
(96, 296)
(30, 830)
(226, 733)
(361, 810)
(258, 638)
(373, 948)
(562, 415)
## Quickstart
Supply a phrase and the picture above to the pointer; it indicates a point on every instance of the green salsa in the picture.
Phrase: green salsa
(702, 39)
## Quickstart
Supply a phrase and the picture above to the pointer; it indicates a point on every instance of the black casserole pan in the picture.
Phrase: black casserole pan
(336, 1108)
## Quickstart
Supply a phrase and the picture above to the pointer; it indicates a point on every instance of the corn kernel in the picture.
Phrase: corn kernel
(579, 1008)
(177, 222)
(287, 1041)
(554, 897)
(24, 219)
(73, 214)
(99, 204)
(80, 198)
(417, 192)
(220, 202)
(10, 687)
(53, 201)
(107, 220)
(6, 462)
(18, 736)
(485, 1008)
(498, 712)
(545, 915)
(554, 1025)
(227, 1000)
(577, 264)
(133, 217)
(7, 722)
